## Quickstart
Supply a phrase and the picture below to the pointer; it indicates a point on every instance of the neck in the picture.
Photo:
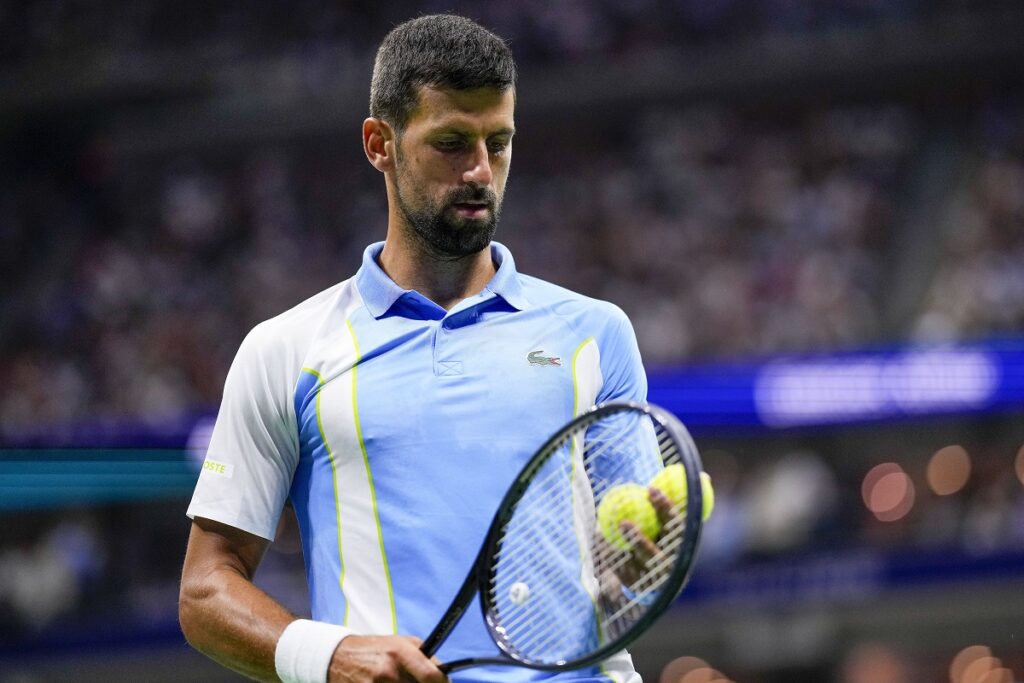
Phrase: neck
(445, 280)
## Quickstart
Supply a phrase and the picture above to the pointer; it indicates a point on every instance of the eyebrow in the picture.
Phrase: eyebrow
(456, 128)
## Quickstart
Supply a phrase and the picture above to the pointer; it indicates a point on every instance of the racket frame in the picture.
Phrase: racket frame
(476, 582)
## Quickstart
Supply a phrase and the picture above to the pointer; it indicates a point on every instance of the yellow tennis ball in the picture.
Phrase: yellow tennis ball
(622, 503)
(672, 482)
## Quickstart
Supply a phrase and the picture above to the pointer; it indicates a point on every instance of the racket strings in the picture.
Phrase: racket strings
(657, 573)
(529, 628)
(532, 516)
(556, 585)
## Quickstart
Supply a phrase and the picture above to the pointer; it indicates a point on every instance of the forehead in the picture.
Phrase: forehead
(479, 108)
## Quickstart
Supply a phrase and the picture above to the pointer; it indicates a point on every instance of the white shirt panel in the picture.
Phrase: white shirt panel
(254, 446)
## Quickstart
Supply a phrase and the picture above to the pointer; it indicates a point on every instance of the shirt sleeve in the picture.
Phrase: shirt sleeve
(635, 459)
(621, 367)
(253, 450)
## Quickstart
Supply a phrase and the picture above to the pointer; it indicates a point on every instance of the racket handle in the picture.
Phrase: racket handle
(433, 641)
(448, 667)
(451, 616)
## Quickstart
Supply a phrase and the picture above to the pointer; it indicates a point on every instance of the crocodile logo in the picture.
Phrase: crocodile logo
(536, 358)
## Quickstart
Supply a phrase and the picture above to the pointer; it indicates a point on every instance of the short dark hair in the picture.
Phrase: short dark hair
(440, 50)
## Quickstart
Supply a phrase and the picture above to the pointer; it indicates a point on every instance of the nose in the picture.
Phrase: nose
(479, 171)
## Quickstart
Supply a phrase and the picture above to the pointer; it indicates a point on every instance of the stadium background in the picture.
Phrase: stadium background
(812, 211)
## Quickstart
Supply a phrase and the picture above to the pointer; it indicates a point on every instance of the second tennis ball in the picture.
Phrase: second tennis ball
(627, 503)
(672, 482)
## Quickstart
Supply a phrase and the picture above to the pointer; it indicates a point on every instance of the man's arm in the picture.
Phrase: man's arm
(226, 617)
(222, 614)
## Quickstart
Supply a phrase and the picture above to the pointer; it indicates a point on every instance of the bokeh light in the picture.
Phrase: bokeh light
(874, 662)
(691, 670)
(703, 675)
(678, 668)
(888, 492)
(1000, 675)
(979, 669)
(948, 470)
(964, 658)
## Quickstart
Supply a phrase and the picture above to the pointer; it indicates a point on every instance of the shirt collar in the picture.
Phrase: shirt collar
(506, 282)
(380, 292)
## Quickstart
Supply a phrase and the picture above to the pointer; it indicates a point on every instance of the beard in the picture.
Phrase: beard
(436, 224)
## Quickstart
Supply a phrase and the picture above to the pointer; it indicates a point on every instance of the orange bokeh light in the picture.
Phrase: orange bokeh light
(976, 671)
(964, 658)
(888, 492)
(1000, 675)
(948, 470)
(702, 675)
(676, 670)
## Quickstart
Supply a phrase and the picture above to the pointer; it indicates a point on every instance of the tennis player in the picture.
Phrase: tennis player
(394, 408)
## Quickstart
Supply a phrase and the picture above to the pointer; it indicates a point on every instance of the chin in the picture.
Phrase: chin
(468, 242)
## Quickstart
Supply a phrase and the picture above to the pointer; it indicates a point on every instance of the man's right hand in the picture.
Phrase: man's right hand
(383, 659)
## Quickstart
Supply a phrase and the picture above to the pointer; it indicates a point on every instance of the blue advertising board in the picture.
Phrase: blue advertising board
(846, 388)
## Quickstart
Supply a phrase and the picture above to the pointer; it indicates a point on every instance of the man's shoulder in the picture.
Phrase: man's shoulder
(568, 303)
(295, 328)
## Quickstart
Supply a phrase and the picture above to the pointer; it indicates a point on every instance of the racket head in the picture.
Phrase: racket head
(538, 612)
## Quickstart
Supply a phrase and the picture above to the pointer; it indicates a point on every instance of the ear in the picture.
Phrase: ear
(379, 144)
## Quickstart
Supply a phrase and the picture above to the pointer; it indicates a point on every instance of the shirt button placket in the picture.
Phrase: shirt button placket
(444, 364)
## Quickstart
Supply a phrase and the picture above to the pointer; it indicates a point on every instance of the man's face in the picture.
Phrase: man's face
(451, 164)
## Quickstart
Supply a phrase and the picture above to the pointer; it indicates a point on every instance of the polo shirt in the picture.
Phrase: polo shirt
(395, 428)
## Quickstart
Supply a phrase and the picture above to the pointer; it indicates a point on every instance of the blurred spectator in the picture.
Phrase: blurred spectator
(978, 288)
(790, 502)
(43, 579)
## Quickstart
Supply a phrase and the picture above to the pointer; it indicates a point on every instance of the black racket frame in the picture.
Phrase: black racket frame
(483, 566)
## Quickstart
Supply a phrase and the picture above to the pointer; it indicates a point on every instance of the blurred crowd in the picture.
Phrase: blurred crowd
(48, 32)
(793, 500)
(129, 284)
(978, 288)
(724, 235)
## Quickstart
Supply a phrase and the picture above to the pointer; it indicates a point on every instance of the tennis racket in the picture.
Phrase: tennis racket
(556, 594)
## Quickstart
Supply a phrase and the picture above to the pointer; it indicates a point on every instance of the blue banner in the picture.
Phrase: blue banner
(847, 388)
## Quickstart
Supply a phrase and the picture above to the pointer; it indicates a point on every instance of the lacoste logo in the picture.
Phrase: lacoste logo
(224, 469)
(536, 358)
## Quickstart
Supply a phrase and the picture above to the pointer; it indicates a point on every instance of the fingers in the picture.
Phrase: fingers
(383, 659)
(418, 643)
(417, 665)
(646, 554)
(642, 549)
(663, 506)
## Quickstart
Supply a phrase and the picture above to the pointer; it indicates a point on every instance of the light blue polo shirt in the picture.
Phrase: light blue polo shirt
(395, 428)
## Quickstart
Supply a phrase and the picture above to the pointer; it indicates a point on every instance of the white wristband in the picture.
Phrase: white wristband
(305, 649)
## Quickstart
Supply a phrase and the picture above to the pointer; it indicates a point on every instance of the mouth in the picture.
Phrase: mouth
(471, 209)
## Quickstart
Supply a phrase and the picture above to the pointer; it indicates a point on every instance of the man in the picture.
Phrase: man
(394, 408)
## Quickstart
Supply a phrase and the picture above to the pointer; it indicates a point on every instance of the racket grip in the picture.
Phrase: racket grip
(430, 645)
(459, 664)
(451, 616)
